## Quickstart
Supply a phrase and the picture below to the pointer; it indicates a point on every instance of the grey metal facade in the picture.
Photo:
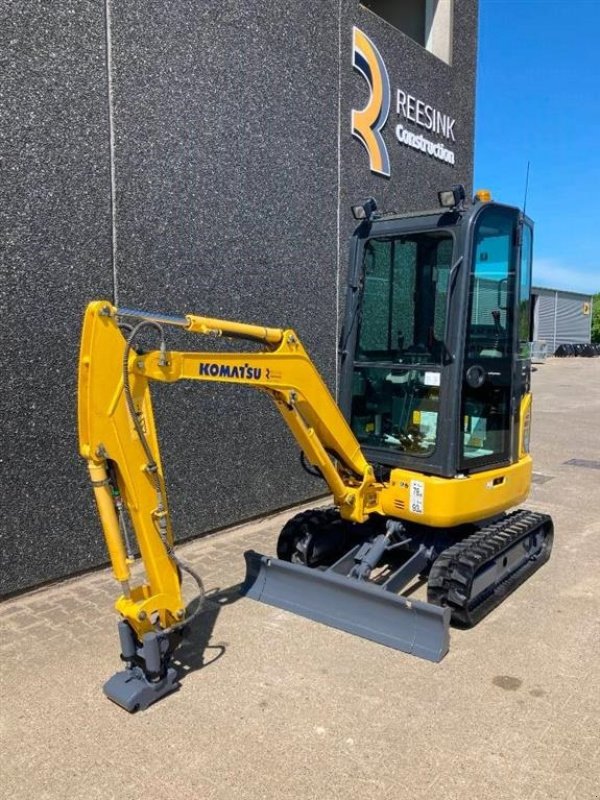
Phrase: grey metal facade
(561, 317)
(186, 156)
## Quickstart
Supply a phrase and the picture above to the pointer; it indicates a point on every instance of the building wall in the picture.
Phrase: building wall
(222, 187)
(55, 254)
(559, 318)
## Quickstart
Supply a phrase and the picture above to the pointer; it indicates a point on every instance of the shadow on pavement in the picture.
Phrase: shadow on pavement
(195, 651)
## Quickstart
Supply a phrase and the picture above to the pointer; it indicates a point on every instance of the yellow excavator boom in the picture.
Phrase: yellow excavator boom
(122, 472)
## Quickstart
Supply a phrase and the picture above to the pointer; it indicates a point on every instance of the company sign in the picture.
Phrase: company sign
(367, 123)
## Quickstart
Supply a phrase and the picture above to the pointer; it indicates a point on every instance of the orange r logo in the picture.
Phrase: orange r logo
(367, 123)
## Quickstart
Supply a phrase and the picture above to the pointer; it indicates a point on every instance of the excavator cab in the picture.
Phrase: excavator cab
(434, 353)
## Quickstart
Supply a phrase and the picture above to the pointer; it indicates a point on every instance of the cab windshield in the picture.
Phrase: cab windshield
(400, 348)
(404, 298)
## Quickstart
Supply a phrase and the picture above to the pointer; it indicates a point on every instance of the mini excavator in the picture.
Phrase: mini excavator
(425, 455)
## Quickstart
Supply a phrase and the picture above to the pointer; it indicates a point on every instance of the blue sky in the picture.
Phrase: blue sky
(538, 100)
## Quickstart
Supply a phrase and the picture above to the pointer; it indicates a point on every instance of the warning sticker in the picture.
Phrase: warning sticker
(432, 379)
(417, 496)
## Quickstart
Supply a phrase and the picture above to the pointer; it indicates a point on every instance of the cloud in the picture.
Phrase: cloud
(554, 275)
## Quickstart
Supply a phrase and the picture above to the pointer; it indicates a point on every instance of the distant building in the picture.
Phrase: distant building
(560, 317)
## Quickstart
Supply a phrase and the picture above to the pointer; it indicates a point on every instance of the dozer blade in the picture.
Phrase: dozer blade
(354, 606)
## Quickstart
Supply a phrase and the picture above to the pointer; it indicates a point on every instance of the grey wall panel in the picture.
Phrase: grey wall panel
(226, 155)
(572, 325)
(545, 319)
(55, 255)
(561, 318)
(485, 301)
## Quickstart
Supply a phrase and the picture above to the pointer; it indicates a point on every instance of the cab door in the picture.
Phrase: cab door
(489, 378)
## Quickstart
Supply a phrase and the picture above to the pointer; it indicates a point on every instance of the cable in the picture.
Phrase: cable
(152, 470)
(151, 466)
(199, 597)
(315, 472)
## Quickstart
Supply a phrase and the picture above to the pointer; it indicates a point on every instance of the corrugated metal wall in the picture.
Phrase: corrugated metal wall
(544, 320)
(485, 300)
(560, 318)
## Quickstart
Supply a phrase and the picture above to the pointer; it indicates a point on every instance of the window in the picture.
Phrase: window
(428, 22)
(403, 315)
(524, 292)
(396, 410)
(395, 389)
(492, 287)
(489, 347)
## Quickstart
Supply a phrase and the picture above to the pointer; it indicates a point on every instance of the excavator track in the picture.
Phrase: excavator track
(475, 575)
(319, 536)
(296, 540)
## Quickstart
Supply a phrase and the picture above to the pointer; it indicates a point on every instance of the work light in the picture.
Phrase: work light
(365, 210)
(452, 198)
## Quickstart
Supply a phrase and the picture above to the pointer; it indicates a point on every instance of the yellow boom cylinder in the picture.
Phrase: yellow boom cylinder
(223, 327)
(110, 522)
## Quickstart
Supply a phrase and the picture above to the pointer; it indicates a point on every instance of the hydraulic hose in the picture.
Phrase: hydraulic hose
(152, 470)
(315, 472)
(151, 466)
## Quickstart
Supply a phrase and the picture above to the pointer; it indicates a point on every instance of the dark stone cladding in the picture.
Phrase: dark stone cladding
(226, 125)
(55, 255)
(227, 206)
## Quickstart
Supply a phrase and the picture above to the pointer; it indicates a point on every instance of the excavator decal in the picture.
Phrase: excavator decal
(227, 371)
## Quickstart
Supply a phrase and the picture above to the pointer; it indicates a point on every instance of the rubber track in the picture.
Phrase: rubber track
(452, 574)
(312, 520)
(323, 522)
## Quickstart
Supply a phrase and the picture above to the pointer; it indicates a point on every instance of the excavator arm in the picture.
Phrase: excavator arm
(118, 439)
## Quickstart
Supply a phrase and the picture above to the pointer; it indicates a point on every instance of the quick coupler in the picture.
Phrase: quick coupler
(148, 676)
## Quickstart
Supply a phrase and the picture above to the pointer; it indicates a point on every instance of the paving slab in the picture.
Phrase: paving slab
(276, 706)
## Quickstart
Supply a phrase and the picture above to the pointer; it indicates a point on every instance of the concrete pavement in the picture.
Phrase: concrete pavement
(275, 706)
